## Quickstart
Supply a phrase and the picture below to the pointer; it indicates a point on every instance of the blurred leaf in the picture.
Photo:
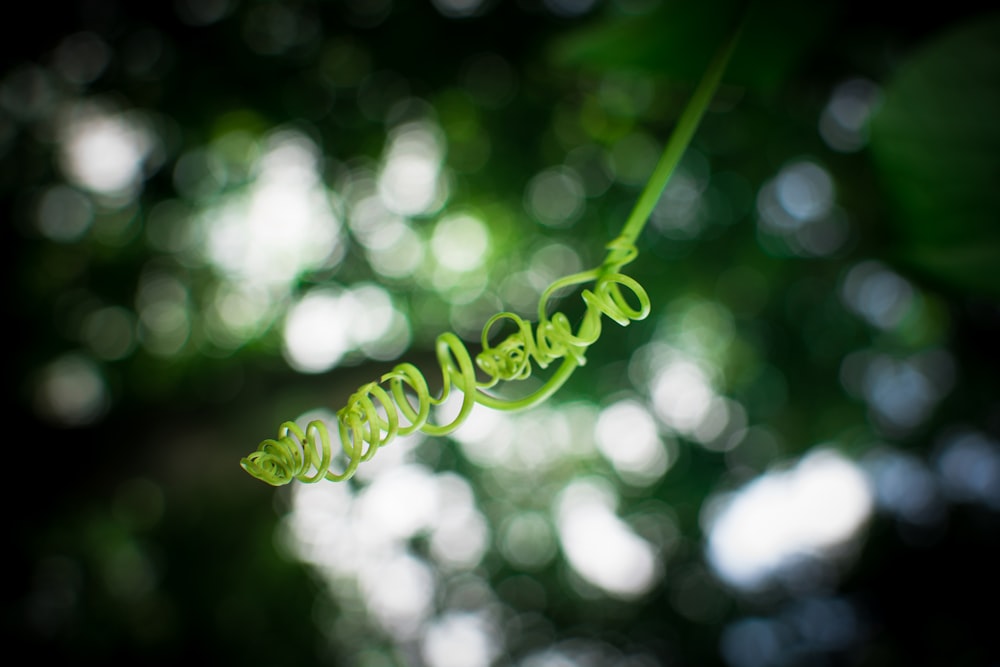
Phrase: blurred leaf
(676, 40)
(936, 146)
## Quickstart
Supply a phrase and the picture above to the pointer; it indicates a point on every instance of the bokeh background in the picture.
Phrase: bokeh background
(223, 214)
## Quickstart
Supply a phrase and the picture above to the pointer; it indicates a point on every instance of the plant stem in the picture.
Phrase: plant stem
(679, 139)
(678, 142)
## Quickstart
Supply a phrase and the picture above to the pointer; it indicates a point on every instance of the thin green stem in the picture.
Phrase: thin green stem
(679, 140)
(551, 386)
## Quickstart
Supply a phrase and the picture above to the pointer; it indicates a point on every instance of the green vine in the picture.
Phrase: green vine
(399, 403)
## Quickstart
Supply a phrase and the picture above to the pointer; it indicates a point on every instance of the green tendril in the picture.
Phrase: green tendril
(400, 402)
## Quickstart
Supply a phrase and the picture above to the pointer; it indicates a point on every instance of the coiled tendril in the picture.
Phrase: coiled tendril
(400, 402)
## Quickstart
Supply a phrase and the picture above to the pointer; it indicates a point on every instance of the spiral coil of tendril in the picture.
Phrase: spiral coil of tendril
(400, 402)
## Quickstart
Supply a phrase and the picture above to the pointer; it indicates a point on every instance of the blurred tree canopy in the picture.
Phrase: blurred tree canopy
(225, 214)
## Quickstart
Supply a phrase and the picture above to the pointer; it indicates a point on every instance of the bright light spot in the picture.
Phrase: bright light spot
(527, 541)
(486, 437)
(461, 290)
(399, 590)
(547, 437)
(902, 392)
(797, 208)
(460, 535)
(360, 543)
(969, 466)
(627, 436)
(555, 197)
(328, 323)
(401, 502)
(904, 486)
(804, 190)
(322, 515)
(283, 225)
(409, 182)
(553, 261)
(374, 307)
(364, 539)
(680, 381)
(676, 212)
(398, 253)
(372, 223)
(469, 311)
(390, 457)
(459, 640)
(110, 333)
(71, 391)
(238, 312)
(782, 517)
(724, 417)
(844, 122)
(536, 440)
(877, 294)
(520, 291)
(392, 342)
(317, 330)
(682, 395)
(64, 214)
(898, 391)
(599, 546)
(460, 242)
(104, 151)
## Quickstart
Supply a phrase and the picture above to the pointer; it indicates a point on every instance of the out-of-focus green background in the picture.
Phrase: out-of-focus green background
(223, 214)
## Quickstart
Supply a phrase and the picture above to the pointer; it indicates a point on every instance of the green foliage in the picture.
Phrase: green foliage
(676, 40)
(935, 142)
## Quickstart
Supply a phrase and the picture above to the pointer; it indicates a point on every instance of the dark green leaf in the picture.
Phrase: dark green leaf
(676, 40)
(936, 146)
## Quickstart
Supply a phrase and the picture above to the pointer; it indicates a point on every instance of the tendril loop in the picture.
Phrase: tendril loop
(400, 402)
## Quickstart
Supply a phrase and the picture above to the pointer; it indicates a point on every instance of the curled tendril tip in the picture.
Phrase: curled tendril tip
(400, 402)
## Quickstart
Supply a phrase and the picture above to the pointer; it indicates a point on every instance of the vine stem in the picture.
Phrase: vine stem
(677, 144)
(679, 139)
